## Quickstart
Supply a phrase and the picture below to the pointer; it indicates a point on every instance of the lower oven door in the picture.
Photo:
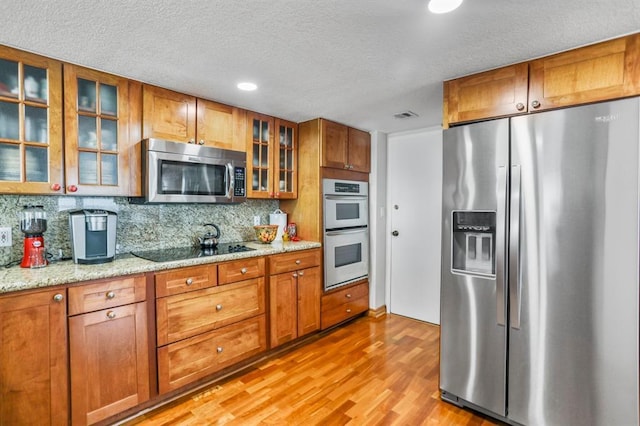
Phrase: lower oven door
(346, 256)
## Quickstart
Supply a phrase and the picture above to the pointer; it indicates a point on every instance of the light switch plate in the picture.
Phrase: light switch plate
(5, 236)
(256, 220)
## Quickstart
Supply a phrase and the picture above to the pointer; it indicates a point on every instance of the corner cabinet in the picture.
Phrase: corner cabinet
(345, 147)
(599, 72)
(30, 123)
(295, 287)
(97, 141)
(272, 156)
(178, 117)
(33, 359)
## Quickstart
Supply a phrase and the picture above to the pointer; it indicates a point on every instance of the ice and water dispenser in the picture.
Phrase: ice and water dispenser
(473, 242)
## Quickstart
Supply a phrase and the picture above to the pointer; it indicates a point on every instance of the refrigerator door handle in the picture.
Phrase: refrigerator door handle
(501, 227)
(514, 250)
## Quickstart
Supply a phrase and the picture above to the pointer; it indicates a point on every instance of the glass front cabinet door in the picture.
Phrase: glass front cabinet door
(259, 156)
(30, 123)
(286, 153)
(96, 132)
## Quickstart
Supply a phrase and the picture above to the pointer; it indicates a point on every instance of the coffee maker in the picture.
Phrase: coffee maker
(33, 222)
(93, 235)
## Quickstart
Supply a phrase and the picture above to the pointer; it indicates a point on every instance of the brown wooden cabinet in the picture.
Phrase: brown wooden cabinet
(603, 71)
(33, 359)
(108, 348)
(272, 155)
(205, 324)
(295, 286)
(344, 303)
(30, 123)
(183, 118)
(345, 147)
(97, 145)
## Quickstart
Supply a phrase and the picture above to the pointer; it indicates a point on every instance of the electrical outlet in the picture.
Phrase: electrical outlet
(256, 220)
(5, 236)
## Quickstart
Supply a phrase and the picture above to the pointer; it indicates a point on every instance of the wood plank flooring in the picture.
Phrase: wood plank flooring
(372, 371)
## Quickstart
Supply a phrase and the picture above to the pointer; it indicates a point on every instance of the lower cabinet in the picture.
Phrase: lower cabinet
(33, 359)
(295, 287)
(344, 303)
(108, 348)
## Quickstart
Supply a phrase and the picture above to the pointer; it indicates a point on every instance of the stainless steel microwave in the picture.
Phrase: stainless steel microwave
(176, 172)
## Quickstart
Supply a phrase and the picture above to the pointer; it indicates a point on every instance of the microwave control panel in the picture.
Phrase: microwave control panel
(239, 176)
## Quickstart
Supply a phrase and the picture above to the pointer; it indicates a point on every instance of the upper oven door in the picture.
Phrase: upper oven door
(184, 178)
(345, 211)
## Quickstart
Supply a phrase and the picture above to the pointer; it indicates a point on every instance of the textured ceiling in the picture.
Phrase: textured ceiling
(353, 61)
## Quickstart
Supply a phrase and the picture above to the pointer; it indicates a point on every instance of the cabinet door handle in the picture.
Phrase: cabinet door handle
(111, 295)
(219, 349)
(295, 275)
(520, 106)
(111, 315)
(72, 188)
(189, 281)
(301, 273)
(201, 142)
(58, 297)
(218, 307)
(348, 295)
(535, 104)
(243, 271)
(56, 187)
(346, 166)
(192, 141)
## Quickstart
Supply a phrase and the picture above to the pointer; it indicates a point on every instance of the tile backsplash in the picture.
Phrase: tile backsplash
(140, 227)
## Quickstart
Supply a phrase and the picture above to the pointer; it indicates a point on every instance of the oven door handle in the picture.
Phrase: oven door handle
(345, 232)
(346, 197)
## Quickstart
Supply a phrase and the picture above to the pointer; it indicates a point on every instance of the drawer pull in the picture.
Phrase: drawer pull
(298, 262)
(243, 271)
(189, 281)
(218, 307)
(111, 295)
(348, 295)
(219, 349)
(301, 273)
(348, 311)
(58, 298)
(111, 315)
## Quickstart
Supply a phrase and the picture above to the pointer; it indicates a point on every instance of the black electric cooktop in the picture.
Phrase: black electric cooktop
(182, 253)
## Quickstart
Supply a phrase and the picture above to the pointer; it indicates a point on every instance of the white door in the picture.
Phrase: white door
(415, 199)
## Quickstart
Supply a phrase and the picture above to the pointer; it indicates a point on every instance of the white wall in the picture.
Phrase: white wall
(377, 220)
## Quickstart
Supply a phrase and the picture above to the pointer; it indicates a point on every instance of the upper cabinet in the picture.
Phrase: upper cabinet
(30, 123)
(182, 118)
(272, 154)
(97, 142)
(345, 148)
(599, 72)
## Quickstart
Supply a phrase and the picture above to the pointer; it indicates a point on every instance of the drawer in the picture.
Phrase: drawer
(294, 261)
(185, 315)
(337, 314)
(107, 293)
(238, 270)
(184, 362)
(339, 297)
(181, 280)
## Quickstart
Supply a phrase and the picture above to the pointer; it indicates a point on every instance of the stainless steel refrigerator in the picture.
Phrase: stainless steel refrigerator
(539, 308)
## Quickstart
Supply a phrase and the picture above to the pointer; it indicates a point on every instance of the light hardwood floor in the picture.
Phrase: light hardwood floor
(380, 371)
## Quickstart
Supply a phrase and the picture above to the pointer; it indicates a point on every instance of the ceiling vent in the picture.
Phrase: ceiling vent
(405, 114)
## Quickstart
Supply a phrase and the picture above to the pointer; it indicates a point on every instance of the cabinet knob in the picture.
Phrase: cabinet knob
(58, 297)
(298, 262)
(111, 315)
(218, 307)
(348, 295)
(219, 349)
(189, 281)
(191, 141)
(294, 275)
(346, 166)
(201, 142)
(520, 106)
(271, 194)
(56, 187)
(243, 271)
(111, 295)
(301, 273)
(72, 188)
(277, 195)
(348, 311)
(350, 166)
(535, 104)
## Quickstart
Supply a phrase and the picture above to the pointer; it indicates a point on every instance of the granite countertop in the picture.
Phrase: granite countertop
(66, 272)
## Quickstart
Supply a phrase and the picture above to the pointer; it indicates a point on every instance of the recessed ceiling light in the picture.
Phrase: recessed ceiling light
(247, 86)
(443, 6)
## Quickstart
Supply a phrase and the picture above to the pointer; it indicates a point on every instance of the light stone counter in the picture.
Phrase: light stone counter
(66, 272)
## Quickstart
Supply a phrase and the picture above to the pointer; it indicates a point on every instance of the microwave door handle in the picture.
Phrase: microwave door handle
(231, 182)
